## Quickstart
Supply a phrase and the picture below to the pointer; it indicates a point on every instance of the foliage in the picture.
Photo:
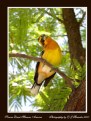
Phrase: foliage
(54, 96)
(25, 26)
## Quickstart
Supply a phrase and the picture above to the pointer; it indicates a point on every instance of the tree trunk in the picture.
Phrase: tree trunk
(76, 101)
(74, 37)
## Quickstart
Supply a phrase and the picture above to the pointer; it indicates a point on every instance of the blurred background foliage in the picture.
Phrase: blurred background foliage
(25, 25)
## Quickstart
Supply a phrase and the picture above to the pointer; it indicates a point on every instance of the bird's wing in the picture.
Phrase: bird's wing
(47, 80)
(36, 71)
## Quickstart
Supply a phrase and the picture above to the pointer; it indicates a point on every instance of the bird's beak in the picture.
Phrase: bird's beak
(41, 40)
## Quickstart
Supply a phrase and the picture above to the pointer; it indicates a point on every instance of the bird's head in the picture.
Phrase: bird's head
(42, 39)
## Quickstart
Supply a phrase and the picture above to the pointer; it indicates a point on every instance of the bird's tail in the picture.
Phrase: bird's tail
(35, 89)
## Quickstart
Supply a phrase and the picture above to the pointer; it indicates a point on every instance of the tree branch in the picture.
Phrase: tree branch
(67, 79)
(65, 35)
(81, 20)
(54, 16)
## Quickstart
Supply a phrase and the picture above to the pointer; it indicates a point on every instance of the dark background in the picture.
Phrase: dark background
(4, 53)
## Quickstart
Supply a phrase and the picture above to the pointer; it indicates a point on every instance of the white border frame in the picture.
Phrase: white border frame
(8, 62)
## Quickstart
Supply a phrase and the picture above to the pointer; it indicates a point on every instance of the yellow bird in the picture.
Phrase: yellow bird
(51, 53)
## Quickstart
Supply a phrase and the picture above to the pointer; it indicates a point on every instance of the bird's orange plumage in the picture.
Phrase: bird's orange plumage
(52, 54)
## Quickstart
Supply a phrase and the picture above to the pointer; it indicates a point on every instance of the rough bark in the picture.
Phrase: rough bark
(76, 101)
(74, 37)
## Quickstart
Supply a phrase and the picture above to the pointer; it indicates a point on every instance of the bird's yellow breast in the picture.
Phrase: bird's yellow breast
(53, 56)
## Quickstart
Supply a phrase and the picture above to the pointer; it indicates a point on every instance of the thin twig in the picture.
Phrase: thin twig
(54, 16)
(81, 20)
